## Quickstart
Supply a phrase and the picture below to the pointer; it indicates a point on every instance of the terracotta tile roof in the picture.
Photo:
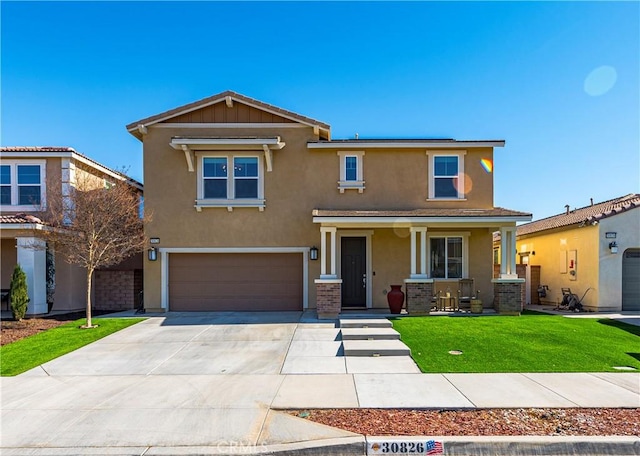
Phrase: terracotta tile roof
(19, 218)
(220, 97)
(583, 215)
(36, 149)
(494, 212)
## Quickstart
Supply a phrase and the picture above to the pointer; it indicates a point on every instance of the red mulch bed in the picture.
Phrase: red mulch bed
(507, 422)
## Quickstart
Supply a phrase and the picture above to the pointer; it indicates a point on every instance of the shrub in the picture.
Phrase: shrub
(18, 295)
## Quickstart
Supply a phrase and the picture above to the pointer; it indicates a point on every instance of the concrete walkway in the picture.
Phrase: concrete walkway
(213, 384)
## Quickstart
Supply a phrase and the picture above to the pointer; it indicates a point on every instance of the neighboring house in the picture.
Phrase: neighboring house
(593, 250)
(27, 176)
(246, 196)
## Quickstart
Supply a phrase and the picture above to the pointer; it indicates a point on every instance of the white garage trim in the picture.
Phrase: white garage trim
(164, 271)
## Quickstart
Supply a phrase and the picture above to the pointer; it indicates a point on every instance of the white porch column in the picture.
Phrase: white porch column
(414, 252)
(508, 253)
(333, 252)
(412, 230)
(323, 252)
(423, 252)
(332, 230)
(32, 258)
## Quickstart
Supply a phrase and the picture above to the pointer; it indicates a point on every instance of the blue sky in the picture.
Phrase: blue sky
(558, 81)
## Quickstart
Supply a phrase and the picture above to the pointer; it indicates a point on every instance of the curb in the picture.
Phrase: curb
(359, 445)
(524, 445)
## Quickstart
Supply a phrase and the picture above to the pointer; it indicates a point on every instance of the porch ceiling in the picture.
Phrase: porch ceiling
(436, 217)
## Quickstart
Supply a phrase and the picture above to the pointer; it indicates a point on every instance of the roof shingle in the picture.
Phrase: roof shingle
(19, 218)
(583, 215)
(430, 212)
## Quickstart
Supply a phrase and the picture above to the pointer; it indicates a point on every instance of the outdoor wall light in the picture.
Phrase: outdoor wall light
(313, 253)
(613, 246)
(152, 254)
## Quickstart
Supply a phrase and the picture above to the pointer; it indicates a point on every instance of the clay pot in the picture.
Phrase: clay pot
(395, 298)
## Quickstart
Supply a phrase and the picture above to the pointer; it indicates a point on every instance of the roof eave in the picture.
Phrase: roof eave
(361, 144)
(400, 221)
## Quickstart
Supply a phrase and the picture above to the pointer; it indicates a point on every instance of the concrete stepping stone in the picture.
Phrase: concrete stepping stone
(375, 348)
(365, 323)
(369, 334)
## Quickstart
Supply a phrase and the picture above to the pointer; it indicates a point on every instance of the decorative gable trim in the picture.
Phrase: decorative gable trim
(228, 97)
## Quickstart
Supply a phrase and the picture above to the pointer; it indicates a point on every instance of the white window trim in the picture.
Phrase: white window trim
(431, 155)
(14, 206)
(230, 202)
(343, 183)
(465, 252)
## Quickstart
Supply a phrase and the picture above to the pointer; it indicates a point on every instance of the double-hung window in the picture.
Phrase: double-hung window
(245, 177)
(22, 185)
(447, 257)
(351, 171)
(446, 176)
(230, 181)
(215, 171)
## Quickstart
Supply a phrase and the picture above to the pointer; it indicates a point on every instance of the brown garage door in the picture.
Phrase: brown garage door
(235, 281)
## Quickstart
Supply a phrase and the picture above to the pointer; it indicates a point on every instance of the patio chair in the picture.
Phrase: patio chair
(435, 300)
(466, 292)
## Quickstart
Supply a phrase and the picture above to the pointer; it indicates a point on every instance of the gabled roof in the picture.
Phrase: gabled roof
(133, 127)
(585, 215)
(62, 151)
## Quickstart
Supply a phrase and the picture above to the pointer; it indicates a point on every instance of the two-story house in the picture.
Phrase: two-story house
(27, 176)
(257, 208)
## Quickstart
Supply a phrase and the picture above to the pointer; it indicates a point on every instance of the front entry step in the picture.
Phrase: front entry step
(375, 348)
(365, 323)
(369, 334)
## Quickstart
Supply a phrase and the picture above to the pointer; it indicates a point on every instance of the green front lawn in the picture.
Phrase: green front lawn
(529, 343)
(25, 354)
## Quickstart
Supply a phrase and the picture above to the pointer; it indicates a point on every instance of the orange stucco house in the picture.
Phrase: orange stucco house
(257, 208)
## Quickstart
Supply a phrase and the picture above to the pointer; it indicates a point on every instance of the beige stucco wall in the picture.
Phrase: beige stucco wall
(71, 286)
(8, 261)
(302, 180)
(626, 225)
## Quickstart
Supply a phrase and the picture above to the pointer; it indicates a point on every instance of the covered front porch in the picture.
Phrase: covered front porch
(428, 252)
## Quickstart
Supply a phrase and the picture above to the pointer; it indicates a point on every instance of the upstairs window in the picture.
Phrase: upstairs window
(446, 176)
(22, 185)
(245, 174)
(5, 185)
(351, 171)
(231, 181)
(214, 177)
(351, 168)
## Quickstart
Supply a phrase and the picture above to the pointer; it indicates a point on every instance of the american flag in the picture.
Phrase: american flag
(433, 447)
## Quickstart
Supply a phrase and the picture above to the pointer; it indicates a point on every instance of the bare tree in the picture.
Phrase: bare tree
(95, 223)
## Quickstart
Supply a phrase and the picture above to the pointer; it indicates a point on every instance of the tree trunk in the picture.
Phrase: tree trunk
(89, 278)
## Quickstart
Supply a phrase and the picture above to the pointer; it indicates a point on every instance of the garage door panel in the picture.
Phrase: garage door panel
(235, 282)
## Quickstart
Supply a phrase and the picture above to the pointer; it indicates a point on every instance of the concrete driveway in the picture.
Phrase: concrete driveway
(209, 384)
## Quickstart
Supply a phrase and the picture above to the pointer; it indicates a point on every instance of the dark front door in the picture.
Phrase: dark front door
(354, 270)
